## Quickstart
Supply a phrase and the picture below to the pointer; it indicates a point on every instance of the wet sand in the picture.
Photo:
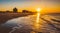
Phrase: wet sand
(7, 16)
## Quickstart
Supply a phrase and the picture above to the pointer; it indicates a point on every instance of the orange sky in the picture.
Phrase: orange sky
(46, 6)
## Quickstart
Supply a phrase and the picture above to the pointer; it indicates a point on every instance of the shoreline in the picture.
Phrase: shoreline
(7, 16)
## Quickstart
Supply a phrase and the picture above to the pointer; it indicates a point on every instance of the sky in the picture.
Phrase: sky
(31, 5)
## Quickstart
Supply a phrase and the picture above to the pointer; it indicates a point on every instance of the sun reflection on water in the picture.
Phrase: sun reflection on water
(38, 16)
(36, 24)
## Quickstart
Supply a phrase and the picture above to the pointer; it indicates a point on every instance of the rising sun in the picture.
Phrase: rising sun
(38, 14)
(38, 9)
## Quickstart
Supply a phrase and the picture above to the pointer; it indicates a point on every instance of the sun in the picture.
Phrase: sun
(38, 14)
(38, 9)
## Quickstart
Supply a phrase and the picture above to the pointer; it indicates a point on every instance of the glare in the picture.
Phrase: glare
(38, 9)
(38, 14)
(37, 23)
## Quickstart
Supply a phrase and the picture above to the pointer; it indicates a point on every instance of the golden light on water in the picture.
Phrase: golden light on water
(38, 14)
(36, 24)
